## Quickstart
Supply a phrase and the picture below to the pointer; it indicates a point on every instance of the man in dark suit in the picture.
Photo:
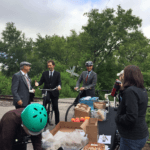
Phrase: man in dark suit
(21, 86)
(51, 79)
(89, 79)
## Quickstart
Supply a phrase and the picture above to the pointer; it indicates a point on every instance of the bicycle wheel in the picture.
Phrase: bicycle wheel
(50, 112)
(70, 113)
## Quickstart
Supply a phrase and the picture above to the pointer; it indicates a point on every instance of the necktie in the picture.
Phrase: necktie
(50, 76)
(28, 83)
(86, 77)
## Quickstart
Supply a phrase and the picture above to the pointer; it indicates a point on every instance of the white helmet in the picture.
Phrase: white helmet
(89, 63)
(120, 73)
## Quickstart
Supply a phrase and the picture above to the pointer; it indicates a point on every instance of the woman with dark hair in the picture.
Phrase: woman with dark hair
(130, 118)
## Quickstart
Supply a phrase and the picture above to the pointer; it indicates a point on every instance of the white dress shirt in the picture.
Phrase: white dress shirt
(26, 75)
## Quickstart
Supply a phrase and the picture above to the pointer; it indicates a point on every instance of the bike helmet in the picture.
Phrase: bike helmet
(34, 118)
(89, 63)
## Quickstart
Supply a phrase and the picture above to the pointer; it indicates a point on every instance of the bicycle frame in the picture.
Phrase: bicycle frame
(48, 110)
(73, 104)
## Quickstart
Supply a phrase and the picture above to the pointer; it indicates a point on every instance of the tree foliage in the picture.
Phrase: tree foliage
(16, 47)
(111, 39)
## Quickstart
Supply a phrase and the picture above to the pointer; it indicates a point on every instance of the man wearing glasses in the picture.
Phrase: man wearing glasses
(89, 79)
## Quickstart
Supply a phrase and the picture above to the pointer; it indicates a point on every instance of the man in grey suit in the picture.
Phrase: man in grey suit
(89, 79)
(21, 86)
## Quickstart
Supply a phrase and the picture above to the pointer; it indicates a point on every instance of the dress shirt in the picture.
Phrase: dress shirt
(26, 75)
(52, 75)
(88, 73)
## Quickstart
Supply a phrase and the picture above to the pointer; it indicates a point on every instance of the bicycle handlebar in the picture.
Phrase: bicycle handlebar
(80, 90)
(48, 89)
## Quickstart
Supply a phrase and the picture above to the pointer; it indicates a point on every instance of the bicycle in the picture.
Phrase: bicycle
(71, 108)
(117, 135)
(23, 142)
(49, 108)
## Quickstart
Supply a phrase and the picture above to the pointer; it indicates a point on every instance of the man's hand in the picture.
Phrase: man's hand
(33, 90)
(36, 83)
(76, 88)
(119, 84)
(20, 102)
(59, 88)
(82, 88)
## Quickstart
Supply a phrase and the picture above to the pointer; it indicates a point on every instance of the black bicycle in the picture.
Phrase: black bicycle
(70, 111)
(48, 106)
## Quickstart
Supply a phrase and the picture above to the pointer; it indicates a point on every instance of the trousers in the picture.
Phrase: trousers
(54, 101)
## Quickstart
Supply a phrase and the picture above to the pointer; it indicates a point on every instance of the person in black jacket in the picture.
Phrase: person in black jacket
(51, 79)
(130, 118)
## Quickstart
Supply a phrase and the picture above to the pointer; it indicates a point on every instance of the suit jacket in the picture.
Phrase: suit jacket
(51, 85)
(20, 89)
(90, 84)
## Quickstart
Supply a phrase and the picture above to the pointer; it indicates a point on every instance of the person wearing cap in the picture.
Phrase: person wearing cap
(121, 76)
(89, 79)
(21, 86)
(17, 124)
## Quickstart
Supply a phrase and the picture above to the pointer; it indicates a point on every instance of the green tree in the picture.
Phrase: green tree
(49, 48)
(108, 31)
(16, 47)
(134, 52)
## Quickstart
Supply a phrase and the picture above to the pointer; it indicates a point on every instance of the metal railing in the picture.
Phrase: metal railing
(10, 98)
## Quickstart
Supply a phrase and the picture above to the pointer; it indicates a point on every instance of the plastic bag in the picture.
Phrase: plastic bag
(47, 139)
(48, 145)
(74, 140)
(100, 114)
(56, 145)
(47, 136)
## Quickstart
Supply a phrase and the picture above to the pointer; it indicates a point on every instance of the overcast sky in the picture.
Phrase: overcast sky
(49, 17)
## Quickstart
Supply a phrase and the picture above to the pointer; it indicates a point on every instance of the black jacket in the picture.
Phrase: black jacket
(50, 85)
(130, 118)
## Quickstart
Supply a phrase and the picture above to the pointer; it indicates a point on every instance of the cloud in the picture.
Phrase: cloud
(49, 17)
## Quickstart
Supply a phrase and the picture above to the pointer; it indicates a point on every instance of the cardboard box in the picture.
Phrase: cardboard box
(99, 105)
(90, 127)
(88, 102)
(66, 127)
(94, 145)
(82, 110)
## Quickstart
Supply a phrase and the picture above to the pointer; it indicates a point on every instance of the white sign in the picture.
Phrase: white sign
(72, 71)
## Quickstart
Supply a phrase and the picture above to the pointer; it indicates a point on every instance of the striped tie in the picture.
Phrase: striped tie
(27, 82)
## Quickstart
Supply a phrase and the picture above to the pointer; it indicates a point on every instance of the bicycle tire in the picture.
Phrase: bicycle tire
(50, 112)
(71, 111)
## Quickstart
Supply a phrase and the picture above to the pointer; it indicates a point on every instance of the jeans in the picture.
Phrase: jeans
(128, 144)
